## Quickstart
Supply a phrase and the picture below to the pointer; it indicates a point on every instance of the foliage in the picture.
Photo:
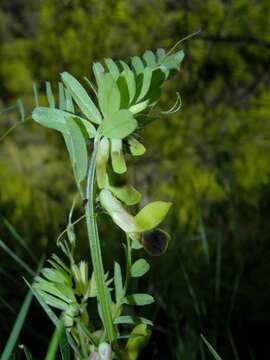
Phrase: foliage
(126, 97)
(211, 159)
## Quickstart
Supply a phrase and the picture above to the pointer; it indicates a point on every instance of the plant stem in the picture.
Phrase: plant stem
(102, 290)
(128, 263)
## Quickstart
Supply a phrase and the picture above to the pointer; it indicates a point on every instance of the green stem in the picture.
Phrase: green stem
(102, 290)
(128, 263)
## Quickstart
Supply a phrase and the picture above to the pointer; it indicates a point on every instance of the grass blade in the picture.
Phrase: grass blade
(17, 327)
(132, 320)
(54, 343)
(15, 332)
(203, 236)
(18, 237)
(8, 306)
(211, 349)
(61, 96)
(64, 347)
(190, 288)
(16, 258)
(87, 333)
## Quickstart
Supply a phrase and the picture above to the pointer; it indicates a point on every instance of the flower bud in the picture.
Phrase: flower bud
(105, 351)
(117, 157)
(102, 159)
(69, 315)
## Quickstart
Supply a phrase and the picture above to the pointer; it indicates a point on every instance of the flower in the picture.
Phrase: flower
(139, 227)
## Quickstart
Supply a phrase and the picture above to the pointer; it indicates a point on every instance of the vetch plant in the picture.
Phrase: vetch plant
(99, 131)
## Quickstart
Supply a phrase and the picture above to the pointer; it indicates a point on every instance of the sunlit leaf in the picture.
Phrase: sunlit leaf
(119, 125)
(132, 320)
(137, 64)
(131, 84)
(135, 109)
(77, 149)
(138, 299)
(136, 148)
(43, 304)
(108, 95)
(152, 215)
(55, 275)
(139, 338)
(92, 86)
(136, 243)
(69, 102)
(51, 118)
(52, 300)
(118, 283)
(98, 71)
(173, 61)
(59, 262)
(81, 97)
(112, 67)
(62, 98)
(139, 268)
(49, 94)
(160, 53)
(158, 78)
(146, 83)
(59, 290)
(124, 66)
(88, 130)
(127, 193)
(124, 93)
(150, 58)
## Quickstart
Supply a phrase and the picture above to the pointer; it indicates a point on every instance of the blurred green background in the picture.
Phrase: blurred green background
(211, 159)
